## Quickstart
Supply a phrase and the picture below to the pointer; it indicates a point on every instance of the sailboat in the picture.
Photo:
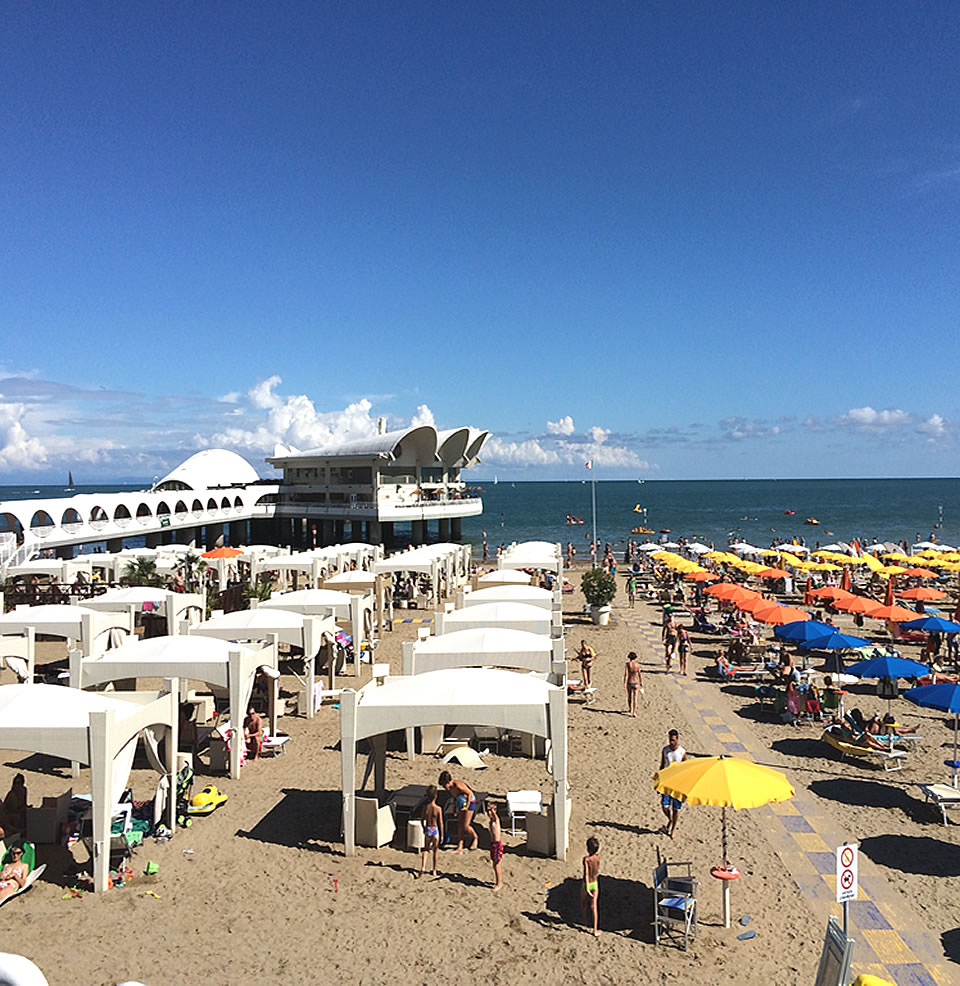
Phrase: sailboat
(70, 486)
(495, 480)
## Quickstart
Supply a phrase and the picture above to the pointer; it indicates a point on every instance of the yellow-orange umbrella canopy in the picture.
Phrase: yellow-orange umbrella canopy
(222, 553)
(920, 573)
(725, 782)
(777, 615)
(922, 592)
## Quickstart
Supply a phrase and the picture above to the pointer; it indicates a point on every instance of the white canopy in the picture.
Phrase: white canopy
(528, 594)
(86, 626)
(478, 696)
(650, 546)
(305, 632)
(505, 576)
(543, 555)
(174, 606)
(217, 662)
(698, 548)
(356, 576)
(485, 647)
(669, 545)
(513, 616)
(95, 729)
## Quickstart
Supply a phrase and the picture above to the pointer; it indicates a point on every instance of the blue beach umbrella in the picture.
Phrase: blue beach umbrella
(800, 631)
(836, 641)
(944, 697)
(932, 624)
(888, 667)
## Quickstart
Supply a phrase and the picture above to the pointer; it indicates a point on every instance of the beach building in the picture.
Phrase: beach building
(396, 478)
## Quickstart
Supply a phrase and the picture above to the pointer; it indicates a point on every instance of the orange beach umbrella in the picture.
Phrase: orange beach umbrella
(920, 573)
(922, 592)
(893, 614)
(777, 615)
(222, 553)
(857, 604)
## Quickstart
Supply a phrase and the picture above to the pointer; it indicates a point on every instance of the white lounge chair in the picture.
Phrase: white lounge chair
(944, 796)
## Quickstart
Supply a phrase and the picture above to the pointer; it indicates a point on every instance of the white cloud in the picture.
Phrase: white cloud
(739, 429)
(261, 394)
(424, 416)
(934, 426)
(598, 434)
(562, 427)
(526, 453)
(17, 449)
(867, 417)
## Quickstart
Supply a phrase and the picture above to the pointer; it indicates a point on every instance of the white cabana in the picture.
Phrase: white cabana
(527, 594)
(449, 561)
(479, 696)
(77, 624)
(64, 570)
(174, 606)
(306, 563)
(543, 555)
(349, 607)
(504, 576)
(305, 632)
(511, 616)
(481, 647)
(225, 665)
(95, 729)
(361, 581)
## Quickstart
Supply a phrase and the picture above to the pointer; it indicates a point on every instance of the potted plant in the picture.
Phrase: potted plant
(599, 588)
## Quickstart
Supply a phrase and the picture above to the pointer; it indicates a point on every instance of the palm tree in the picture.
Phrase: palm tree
(193, 568)
(141, 571)
(261, 590)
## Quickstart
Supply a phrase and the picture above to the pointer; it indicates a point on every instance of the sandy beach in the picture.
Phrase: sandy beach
(266, 892)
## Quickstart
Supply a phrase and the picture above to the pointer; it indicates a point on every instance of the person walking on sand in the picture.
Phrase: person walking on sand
(432, 830)
(496, 845)
(586, 656)
(590, 888)
(683, 648)
(669, 636)
(466, 804)
(632, 590)
(632, 682)
(673, 752)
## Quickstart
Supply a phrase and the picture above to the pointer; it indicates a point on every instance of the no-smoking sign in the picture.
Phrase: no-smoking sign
(846, 873)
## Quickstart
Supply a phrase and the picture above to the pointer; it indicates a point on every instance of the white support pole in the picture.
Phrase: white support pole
(558, 662)
(356, 619)
(311, 644)
(237, 712)
(101, 789)
(348, 766)
(173, 743)
(558, 737)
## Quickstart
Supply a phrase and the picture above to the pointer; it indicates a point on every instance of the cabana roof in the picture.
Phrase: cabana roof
(304, 601)
(49, 707)
(504, 577)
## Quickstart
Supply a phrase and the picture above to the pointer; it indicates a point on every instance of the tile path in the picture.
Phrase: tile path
(891, 940)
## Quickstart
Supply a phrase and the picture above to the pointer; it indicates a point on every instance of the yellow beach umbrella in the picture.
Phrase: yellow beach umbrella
(894, 570)
(726, 782)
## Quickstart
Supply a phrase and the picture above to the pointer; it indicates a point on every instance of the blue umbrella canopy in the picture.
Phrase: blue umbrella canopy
(888, 667)
(932, 624)
(946, 698)
(836, 641)
(800, 631)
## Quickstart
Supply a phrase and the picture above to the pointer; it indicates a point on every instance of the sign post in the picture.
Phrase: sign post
(847, 860)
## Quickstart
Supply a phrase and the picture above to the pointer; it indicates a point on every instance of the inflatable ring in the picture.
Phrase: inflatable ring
(725, 872)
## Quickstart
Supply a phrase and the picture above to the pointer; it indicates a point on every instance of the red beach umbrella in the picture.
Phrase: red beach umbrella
(222, 553)
(773, 573)
(845, 580)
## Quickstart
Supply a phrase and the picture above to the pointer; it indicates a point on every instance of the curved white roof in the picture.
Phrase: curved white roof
(487, 642)
(455, 687)
(504, 576)
(211, 467)
(453, 445)
(382, 444)
(53, 706)
(181, 648)
(527, 594)
(308, 601)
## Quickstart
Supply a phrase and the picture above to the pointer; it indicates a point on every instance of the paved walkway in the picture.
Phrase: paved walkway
(892, 941)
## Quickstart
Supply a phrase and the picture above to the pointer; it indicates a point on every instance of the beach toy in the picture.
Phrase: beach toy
(747, 935)
(336, 889)
(152, 868)
(206, 802)
(745, 920)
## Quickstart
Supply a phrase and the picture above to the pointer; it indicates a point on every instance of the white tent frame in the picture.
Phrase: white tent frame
(543, 555)
(512, 616)
(22, 646)
(493, 699)
(97, 744)
(233, 668)
(308, 635)
(529, 595)
(175, 605)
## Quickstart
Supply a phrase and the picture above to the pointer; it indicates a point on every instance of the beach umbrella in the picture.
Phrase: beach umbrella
(222, 553)
(835, 641)
(698, 548)
(922, 592)
(944, 697)
(773, 573)
(702, 576)
(776, 613)
(725, 782)
(730, 592)
(831, 592)
(932, 624)
(800, 631)
(920, 573)
(888, 667)
(753, 603)
(650, 546)
(894, 614)
(857, 604)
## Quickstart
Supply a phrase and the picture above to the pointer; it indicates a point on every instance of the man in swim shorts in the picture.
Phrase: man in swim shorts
(432, 818)
(590, 887)
(673, 752)
(496, 845)
(465, 804)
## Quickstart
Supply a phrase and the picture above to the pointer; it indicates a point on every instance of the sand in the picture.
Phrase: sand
(266, 893)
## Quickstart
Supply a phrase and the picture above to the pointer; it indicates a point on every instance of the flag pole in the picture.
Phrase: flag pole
(593, 497)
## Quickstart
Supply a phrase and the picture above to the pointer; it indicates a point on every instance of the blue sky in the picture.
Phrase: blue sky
(683, 240)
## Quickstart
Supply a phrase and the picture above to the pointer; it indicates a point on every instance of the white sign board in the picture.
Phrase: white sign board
(846, 873)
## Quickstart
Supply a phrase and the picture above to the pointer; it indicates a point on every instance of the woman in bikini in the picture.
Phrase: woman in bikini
(633, 682)
(466, 804)
(683, 648)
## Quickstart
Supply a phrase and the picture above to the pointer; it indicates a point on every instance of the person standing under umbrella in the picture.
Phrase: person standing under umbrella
(673, 752)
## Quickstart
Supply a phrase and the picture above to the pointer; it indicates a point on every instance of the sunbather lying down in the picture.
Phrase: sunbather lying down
(14, 874)
(844, 732)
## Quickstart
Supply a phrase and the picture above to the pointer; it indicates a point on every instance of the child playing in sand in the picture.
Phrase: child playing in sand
(590, 888)
(496, 845)
(432, 830)
(465, 804)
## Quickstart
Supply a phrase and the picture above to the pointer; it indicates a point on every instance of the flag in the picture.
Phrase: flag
(589, 463)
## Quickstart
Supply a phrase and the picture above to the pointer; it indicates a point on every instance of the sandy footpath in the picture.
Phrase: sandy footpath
(257, 896)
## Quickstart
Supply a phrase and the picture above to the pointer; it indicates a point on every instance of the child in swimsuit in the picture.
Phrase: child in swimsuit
(590, 888)
(496, 845)
(432, 818)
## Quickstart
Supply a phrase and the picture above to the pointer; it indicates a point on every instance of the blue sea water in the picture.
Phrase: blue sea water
(709, 510)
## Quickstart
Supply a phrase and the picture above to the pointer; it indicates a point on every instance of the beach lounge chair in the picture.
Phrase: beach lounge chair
(375, 825)
(889, 759)
(541, 834)
(121, 833)
(466, 756)
(30, 858)
(674, 901)
(702, 625)
(943, 796)
(522, 803)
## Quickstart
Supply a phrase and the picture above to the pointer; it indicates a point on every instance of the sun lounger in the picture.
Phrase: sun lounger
(30, 858)
(944, 796)
(466, 756)
(889, 759)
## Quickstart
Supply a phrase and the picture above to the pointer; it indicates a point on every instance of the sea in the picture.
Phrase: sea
(712, 511)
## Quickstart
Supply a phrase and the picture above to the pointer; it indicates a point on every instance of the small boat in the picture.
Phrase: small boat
(789, 513)
(812, 521)
(69, 487)
(643, 530)
(638, 509)
(664, 530)
(574, 519)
